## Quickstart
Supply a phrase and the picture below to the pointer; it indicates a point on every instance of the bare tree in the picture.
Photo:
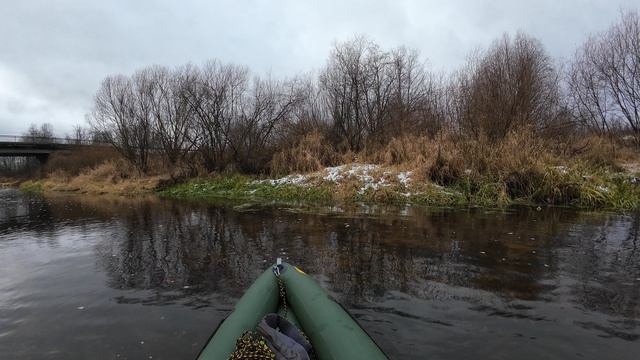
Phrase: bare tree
(215, 98)
(80, 135)
(620, 69)
(99, 137)
(264, 109)
(171, 112)
(512, 84)
(39, 134)
(342, 83)
(373, 94)
(123, 111)
(590, 98)
(310, 114)
(604, 79)
(417, 103)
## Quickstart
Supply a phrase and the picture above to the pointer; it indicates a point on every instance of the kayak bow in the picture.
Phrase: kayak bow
(334, 334)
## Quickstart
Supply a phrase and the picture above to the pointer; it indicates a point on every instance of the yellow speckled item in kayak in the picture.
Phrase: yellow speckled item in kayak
(334, 334)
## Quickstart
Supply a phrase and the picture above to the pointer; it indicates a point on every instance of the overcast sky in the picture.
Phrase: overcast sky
(53, 54)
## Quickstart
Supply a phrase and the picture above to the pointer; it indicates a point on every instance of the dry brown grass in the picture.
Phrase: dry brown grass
(100, 170)
(111, 177)
(604, 151)
(446, 158)
(312, 153)
(8, 182)
(79, 160)
(410, 149)
(519, 151)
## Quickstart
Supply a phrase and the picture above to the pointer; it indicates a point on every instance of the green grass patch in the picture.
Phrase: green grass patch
(243, 188)
(580, 187)
(600, 189)
(32, 187)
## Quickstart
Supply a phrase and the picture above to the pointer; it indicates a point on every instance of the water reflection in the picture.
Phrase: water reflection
(402, 271)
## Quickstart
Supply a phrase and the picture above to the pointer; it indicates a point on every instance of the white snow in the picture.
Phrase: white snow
(297, 179)
(405, 177)
(562, 169)
(364, 173)
(334, 173)
(370, 176)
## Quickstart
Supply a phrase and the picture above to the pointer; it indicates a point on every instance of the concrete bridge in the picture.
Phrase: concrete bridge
(40, 148)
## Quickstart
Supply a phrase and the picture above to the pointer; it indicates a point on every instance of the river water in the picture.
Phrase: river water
(107, 278)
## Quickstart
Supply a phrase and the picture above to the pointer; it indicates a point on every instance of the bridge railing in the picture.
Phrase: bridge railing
(48, 140)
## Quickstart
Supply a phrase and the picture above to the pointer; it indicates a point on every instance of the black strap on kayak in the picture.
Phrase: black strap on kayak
(278, 268)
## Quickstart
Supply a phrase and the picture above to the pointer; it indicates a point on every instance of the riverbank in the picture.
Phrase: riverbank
(109, 178)
(580, 185)
(371, 183)
(8, 182)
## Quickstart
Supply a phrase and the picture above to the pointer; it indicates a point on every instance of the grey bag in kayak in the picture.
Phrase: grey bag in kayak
(286, 341)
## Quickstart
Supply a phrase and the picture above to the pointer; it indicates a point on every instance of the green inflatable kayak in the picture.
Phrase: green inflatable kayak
(332, 331)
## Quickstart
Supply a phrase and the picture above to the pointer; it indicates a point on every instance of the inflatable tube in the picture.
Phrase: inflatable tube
(334, 334)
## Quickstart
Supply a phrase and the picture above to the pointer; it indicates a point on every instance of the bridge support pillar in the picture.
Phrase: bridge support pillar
(42, 158)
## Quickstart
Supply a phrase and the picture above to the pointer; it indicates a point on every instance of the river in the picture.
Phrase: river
(114, 278)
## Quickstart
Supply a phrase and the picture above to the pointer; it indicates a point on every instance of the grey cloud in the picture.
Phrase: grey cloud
(53, 55)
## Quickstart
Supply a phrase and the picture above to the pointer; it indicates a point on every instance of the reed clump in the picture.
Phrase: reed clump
(116, 177)
(521, 167)
(311, 153)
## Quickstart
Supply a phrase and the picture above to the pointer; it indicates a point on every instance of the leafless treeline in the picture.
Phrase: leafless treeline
(79, 135)
(221, 116)
(217, 114)
(604, 79)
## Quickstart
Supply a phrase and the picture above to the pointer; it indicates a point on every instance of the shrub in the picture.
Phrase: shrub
(312, 153)
(76, 161)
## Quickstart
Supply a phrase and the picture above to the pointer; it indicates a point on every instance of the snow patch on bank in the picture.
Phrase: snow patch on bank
(297, 179)
(405, 178)
(370, 176)
(367, 174)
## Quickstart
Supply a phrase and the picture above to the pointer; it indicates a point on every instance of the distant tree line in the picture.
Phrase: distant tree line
(44, 133)
(221, 116)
